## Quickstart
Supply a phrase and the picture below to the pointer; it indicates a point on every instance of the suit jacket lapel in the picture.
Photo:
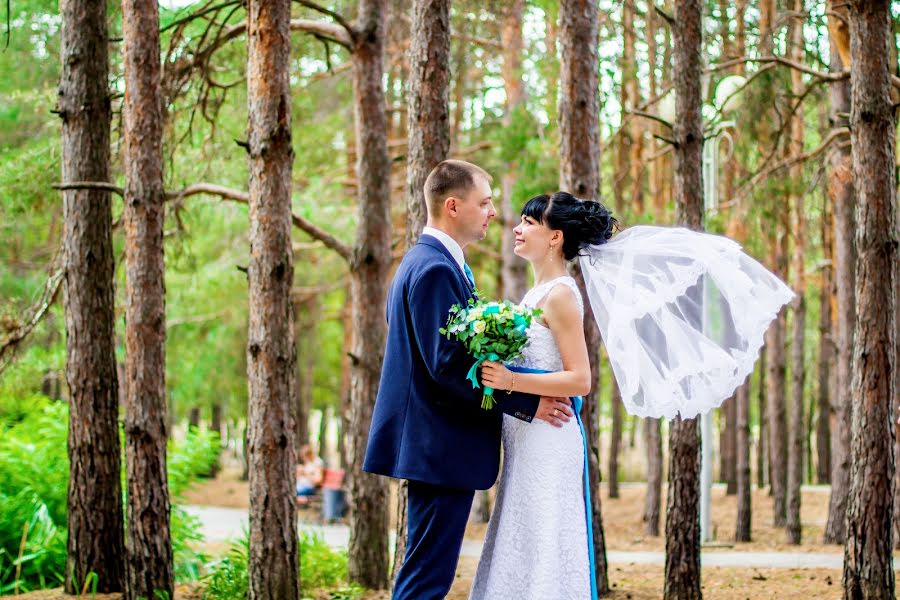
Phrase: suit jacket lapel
(432, 241)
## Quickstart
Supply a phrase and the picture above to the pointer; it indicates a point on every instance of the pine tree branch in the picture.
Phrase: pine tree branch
(38, 311)
(759, 177)
(225, 193)
(351, 32)
(330, 31)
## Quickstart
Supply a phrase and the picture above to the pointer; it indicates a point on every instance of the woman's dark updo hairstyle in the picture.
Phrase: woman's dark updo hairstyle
(583, 222)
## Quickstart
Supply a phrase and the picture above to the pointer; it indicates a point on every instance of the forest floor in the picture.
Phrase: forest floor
(635, 570)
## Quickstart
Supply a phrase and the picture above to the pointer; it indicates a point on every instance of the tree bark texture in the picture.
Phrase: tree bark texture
(742, 530)
(428, 97)
(652, 499)
(842, 194)
(826, 353)
(579, 128)
(798, 433)
(868, 564)
(95, 522)
(615, 440)
(148, 542)
(762, 444)
(776, 412)
(728, 445)
(682, 569)
(370, 266)
(271, 350)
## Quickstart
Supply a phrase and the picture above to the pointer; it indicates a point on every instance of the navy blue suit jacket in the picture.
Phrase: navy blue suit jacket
(428, 424)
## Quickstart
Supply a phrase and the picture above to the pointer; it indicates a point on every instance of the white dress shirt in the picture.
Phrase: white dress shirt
(450, 244)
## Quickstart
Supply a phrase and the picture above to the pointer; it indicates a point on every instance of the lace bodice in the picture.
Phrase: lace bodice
(541, 351)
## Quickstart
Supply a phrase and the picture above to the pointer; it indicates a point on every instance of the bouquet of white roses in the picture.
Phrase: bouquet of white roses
(490, 331)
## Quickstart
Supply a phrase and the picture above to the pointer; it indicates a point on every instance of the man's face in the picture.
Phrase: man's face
(474, 211)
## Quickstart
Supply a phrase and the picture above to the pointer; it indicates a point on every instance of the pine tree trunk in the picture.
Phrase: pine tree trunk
(896, 416)
(777, 417)
(615, 442)
(215, 426)
(428, 93)
(682, 569)
(428, 97)
(826, 355)
(762, 444)
(370, 266)
(579, 129)
(728, 445)
(513, 271)
(797, 428)
(95, 521)
(868, 564)
(798, 425)
(307, 347)
(652, 499)
(843, 197)
(742, 531)
(194, 418)
(271, 349)
(148, 543)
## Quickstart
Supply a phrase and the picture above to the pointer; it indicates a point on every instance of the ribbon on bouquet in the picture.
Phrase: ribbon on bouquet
(487, 400)
(577, 402)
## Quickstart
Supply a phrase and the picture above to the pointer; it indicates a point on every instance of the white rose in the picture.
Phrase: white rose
(478, 327)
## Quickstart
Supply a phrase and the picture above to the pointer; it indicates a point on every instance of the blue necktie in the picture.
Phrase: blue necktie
(469, 275)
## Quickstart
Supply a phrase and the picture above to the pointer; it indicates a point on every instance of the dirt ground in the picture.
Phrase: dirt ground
(624, 530)
(623, 527)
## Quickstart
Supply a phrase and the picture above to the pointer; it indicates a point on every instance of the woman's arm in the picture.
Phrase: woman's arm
(563, 317)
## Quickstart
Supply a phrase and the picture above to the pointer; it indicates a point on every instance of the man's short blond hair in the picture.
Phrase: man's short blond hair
(451, 178)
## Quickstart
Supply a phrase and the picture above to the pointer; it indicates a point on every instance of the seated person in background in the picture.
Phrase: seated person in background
(310, 473)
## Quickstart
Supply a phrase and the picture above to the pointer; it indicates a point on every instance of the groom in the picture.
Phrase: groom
(428, 425)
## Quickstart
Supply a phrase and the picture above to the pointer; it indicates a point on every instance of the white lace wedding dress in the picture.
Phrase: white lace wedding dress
(536, 543)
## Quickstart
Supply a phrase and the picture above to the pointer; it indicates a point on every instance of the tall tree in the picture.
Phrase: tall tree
(826, 351)
(842, 194)
(148, 542)
(579, 130)
(271, 351)
(868, 564)
(762, 446)
(615, 441)
(682, 570)
(742, 470)
(652, 427)
(653, 437)
(369, 268)
(513, 269)
(428, 97)
(798, 367)
(776, 426)
(94, 516)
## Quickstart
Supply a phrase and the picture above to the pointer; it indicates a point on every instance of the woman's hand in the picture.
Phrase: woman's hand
(495, 375)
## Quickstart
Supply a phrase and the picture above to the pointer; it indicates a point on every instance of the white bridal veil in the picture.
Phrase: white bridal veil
(682, 315)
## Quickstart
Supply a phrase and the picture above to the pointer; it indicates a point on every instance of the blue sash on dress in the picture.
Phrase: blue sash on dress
(576, 405)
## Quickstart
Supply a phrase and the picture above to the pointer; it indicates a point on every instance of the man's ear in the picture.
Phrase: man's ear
(450, 204)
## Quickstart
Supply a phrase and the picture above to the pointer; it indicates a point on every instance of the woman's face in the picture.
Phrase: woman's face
(534, 239)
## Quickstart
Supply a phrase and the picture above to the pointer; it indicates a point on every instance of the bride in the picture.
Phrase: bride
(682, 315)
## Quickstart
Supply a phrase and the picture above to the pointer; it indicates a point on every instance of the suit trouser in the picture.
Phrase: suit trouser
(436, 519)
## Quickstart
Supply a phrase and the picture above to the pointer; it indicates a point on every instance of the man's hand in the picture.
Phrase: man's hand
(556, 411)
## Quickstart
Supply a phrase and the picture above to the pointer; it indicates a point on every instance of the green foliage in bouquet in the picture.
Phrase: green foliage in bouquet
(494, 331)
